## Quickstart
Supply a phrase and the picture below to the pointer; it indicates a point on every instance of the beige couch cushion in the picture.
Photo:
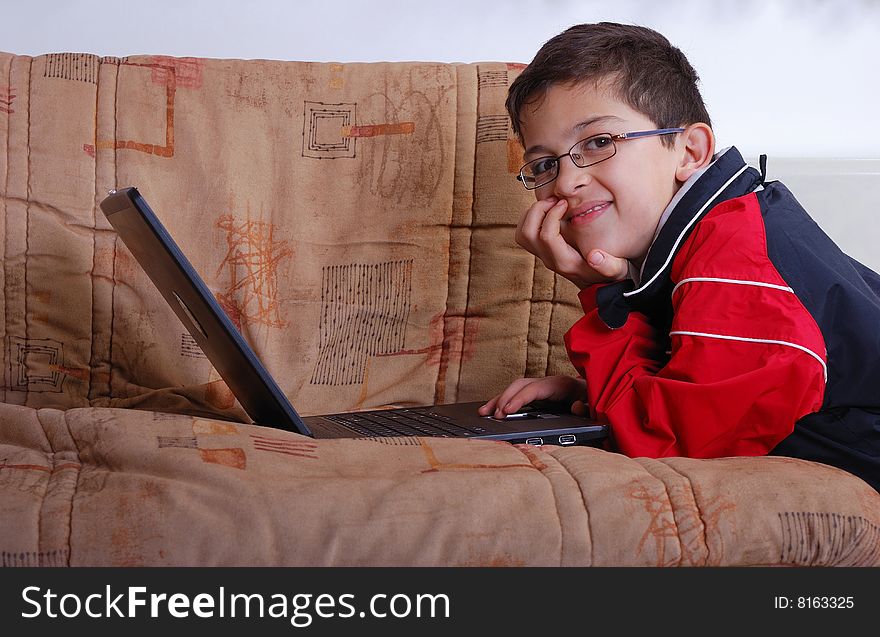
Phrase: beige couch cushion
(117, 487)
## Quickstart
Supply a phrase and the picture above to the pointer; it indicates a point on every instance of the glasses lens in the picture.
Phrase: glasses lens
(539, 172)
(592, 150)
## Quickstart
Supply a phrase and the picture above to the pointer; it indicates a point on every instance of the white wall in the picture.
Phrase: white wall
(796, 78)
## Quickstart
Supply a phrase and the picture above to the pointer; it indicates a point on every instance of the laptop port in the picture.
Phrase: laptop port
(535, 441)
(567, 439)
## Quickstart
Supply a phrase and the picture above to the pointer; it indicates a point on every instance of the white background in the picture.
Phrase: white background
(790, 78)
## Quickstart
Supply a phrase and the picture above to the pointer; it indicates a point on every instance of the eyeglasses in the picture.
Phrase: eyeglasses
(540, 172)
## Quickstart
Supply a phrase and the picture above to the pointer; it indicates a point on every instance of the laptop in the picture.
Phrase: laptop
(258, 393)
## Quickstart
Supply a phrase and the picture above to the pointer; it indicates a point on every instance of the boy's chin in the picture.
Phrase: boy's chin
(579, 244)
(585, 248)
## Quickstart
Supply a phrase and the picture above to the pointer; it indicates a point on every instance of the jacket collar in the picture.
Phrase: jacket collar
(727, 177)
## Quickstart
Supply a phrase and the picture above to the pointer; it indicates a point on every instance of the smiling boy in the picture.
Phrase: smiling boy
(719, 320)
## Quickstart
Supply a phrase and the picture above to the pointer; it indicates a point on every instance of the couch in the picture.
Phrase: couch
(356, 221)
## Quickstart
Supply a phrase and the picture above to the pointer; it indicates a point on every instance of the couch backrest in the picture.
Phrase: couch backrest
(356, 220)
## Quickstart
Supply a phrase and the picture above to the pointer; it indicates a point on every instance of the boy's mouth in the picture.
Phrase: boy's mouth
(587, 212)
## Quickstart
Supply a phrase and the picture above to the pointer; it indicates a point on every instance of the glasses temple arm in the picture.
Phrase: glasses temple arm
(648, 133)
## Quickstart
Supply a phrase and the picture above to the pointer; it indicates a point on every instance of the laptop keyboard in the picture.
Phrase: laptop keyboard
(404, 422)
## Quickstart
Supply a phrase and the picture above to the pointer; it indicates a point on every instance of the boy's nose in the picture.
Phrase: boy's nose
(570, 178)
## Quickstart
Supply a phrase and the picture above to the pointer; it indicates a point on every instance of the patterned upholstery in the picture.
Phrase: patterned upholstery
(355, 220)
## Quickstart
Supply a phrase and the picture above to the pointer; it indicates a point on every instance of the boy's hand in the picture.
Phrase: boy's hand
(525, 390)
(539, 233)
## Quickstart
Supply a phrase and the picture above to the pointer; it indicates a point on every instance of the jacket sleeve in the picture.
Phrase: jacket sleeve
(746, 362)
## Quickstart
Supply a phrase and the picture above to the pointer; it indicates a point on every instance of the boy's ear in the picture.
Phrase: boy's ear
(697, 149)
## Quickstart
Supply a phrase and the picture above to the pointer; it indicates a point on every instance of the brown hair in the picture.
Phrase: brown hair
(640, 66)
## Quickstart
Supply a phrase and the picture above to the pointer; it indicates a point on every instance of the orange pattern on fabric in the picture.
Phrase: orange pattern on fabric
(437, 465)
(374, 130)
(170, 72)
(7, 96)
(233, 457)
(213, 427)
(252, 259)
(301, 449)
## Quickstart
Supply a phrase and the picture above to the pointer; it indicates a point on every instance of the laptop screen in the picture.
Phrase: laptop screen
(198, 310)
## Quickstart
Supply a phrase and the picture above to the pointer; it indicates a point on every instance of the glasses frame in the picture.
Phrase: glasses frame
(614, 138)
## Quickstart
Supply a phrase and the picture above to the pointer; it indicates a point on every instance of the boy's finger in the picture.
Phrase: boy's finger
(552, 222)
(522, 396)
(497, 402)
(508, 408)
(608, 266)
(557, 210)
(533, 218)
(507, 404)
(502, 405)
(489, 407)
(539, 208)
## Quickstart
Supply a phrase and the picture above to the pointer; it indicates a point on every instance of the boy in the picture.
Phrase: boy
(719, 320)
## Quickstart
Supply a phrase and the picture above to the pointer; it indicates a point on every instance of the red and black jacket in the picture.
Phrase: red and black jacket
(750, 333)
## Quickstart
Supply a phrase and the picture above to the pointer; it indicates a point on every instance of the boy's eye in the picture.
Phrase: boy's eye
(543, 166)
(596, 144)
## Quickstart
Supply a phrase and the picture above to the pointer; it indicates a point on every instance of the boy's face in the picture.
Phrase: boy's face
(614, 205)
